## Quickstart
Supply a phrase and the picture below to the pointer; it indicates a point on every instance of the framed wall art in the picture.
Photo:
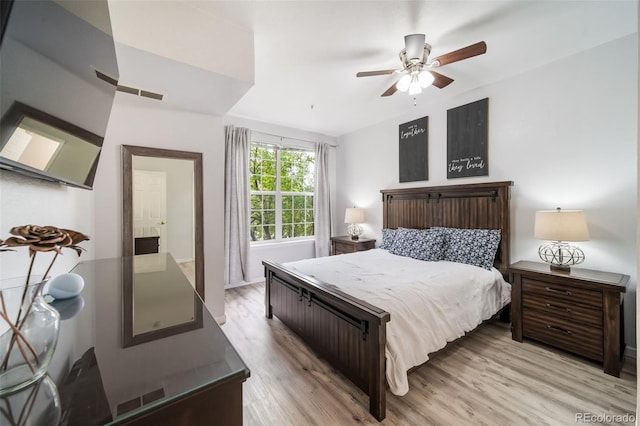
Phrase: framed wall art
(467, 140)
(413, 142)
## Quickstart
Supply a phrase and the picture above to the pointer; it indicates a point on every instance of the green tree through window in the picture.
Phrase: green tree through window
(282, 188)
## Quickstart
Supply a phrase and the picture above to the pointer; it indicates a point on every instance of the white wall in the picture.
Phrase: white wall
(295, 250)
(25, 201)
(142, 122)
(565, 133)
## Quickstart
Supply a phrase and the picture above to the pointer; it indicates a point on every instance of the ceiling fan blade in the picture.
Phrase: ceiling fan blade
(391, 90)
(440, 80)
(414, 46)
(370, 73)
(460, 54)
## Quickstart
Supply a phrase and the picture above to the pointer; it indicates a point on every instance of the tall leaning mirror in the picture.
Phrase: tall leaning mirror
(162, 208)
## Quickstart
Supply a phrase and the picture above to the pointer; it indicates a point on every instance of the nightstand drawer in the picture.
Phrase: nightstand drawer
(341, 248)
(563, 309)
(563, 292)
(577, 338)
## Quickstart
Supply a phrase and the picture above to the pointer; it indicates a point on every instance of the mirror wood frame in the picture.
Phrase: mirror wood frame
(128, 151)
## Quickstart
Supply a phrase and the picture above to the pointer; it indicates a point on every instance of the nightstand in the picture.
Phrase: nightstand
(580, 311)
(344, 244)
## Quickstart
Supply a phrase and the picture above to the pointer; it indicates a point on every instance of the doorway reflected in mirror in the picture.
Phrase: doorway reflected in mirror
(162, 207)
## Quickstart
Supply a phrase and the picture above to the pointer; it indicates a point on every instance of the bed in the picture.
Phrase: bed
(351, 333)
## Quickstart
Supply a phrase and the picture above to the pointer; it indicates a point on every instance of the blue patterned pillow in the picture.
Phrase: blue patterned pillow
(476, 247)
(421, 244)
(400, 239)
(388, 237)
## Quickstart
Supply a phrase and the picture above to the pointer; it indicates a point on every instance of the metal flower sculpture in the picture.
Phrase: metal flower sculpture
(37, 239)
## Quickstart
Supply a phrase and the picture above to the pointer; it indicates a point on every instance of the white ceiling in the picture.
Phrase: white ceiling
(307, 53)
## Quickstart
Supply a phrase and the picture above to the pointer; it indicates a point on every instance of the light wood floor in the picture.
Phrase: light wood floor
(484, 379)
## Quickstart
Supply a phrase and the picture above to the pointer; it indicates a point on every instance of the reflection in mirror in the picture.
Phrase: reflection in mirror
(162, 207)
(158, 224)
(40, 144)
(159, 300)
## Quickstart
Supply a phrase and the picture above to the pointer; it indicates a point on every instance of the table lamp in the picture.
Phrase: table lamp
(354, 216)
(560, 226)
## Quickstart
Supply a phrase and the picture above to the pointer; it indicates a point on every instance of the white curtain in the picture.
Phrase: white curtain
(321, 202)
(236, 204)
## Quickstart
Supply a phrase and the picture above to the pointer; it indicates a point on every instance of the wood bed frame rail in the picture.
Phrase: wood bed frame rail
(350, 333)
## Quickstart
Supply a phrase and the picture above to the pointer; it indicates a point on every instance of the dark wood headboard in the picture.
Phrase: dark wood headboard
(471, 206)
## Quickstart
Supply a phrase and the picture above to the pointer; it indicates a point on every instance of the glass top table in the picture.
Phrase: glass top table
(137, 338)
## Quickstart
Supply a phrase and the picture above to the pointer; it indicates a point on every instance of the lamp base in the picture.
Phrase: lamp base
(560, 256)
(559, 268)
(354, 231)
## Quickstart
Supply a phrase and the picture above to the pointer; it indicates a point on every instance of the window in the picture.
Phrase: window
(282, 188)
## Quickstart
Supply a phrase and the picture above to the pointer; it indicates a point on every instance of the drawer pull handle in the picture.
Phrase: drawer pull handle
(555, 290)
(561, 330)
(549, 305)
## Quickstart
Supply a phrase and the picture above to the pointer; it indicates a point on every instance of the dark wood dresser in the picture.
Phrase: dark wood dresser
(166, 367)
(344, 244)
(146, 240)
(146, 245)
(580, 311)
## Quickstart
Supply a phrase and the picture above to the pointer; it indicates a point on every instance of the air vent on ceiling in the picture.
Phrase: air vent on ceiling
(102, 76)
(151, 95)
(126, 89)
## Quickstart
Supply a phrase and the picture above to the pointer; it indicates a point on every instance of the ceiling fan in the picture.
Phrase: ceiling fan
(418, 68)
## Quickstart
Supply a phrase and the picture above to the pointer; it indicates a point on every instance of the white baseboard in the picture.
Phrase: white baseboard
(184, 260)
(221, 320)
(243, 283)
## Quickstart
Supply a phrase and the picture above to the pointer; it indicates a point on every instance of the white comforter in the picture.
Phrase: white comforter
(431, 303)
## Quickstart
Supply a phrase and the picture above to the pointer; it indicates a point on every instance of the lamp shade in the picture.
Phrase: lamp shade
(561, 225)
(354, 215)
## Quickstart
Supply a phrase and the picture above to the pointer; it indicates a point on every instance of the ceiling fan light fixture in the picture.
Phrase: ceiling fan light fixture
(425, 78)
(403, 84)
(414, 87)
(418, 70)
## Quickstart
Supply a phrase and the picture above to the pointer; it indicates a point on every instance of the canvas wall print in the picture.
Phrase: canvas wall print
(467, 140)
(413, 143)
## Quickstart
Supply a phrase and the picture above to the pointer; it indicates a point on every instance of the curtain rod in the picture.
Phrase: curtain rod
(286, 137)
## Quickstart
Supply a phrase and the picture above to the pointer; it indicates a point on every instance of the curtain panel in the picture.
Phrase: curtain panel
(236, 204)
(322, 203)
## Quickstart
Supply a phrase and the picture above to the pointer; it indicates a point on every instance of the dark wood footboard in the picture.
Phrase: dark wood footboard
(349, 333)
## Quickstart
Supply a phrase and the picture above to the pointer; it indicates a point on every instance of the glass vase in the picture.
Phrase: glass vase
(28, 336)
(35, 405)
